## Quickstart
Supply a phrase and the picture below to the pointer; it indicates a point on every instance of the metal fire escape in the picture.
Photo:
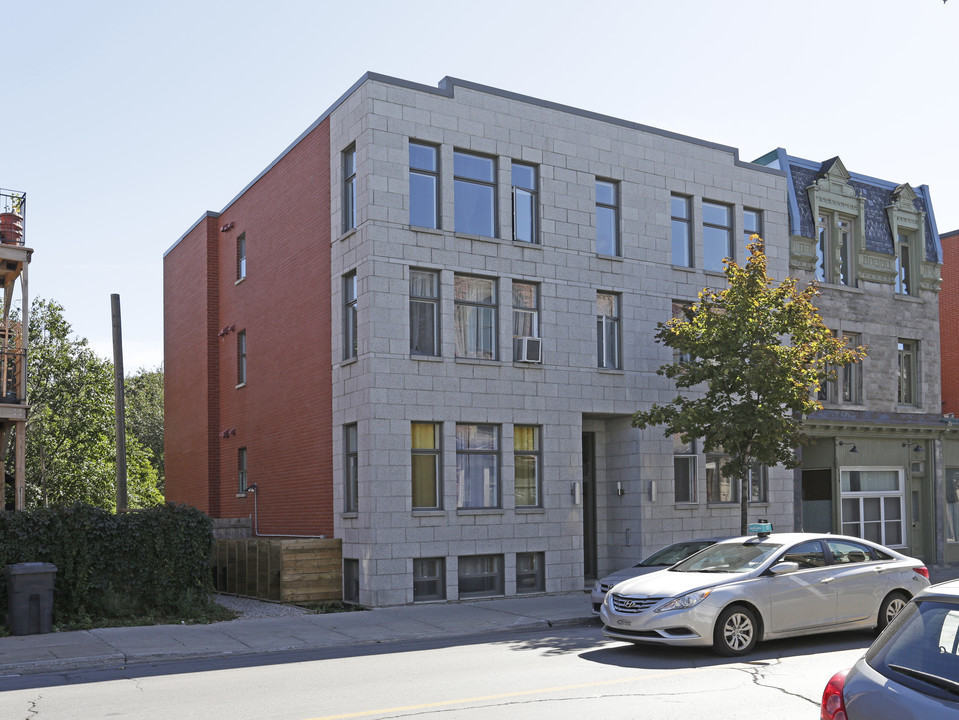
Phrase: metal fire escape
(14, 261)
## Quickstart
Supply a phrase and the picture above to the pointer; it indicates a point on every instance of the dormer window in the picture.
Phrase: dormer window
(834, 249)
(903, 282)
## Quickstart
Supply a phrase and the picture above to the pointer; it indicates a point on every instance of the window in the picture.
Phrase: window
(429, 579)
(241, 476)
(681, 237)
(474, 194)
(480, 576)
(607, 218)
(952, 504)
(426, 465)
(241, 357)
(241, 256)
(903, 284)
(679, 312)
(756, 477)
(851, 375)
(752, 224)
(872, 505)
(349, 188)
(807, 554)
(474, 317)
(717, 234)
(477, 466)
(424, 186)
(526, 465)
(349, 316)
(530, 573)
(834, 249)
(424, 312)
(525, 320)
(719, 489)
(684, 470)
(524, 203)
(607, 330)
(908, 390)
(350, 469)
(351, 580)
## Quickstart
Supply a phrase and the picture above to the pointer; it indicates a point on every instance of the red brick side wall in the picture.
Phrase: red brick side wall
(949, 322)
(283, 414)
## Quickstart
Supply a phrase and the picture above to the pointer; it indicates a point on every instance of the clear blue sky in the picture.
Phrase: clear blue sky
(125, 121)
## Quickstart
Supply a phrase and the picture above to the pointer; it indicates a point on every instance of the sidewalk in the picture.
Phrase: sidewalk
(118, 647)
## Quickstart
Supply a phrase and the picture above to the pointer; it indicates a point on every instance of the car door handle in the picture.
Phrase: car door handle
(826, 580)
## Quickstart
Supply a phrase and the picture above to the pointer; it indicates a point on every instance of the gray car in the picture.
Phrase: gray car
(911, 671)
(663, 558)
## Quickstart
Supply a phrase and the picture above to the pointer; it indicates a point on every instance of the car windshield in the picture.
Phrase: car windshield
(672, 554)
(734, 557)
(921, 649)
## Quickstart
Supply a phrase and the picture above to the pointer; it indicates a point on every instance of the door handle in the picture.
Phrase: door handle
(824, 581)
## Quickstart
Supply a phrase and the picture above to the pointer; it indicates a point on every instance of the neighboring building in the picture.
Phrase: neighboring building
(876, 467)
(949, 323)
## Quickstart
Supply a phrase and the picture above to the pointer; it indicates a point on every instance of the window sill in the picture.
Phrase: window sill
(844, 288)
(615, 258)
(241, 494)
(527, 510)
(241, 385)
(483, 238)
(684, 268)
(726, 505)
(352, 515)
(477, 361)
(520, 364)
(346, 234)
(611, 371)
(429, 512)
(239, 280)
(424, 229)
(907, 298)
(348, 361)
(480, 511)
(426, 358)
(687, 505)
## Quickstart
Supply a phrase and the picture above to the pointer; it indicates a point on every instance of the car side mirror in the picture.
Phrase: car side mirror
(784, 567)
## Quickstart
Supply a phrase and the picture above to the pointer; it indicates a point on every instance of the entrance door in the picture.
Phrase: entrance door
(589, 506)
(917, 545)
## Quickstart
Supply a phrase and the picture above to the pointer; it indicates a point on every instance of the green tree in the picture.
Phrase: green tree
(71, 453)
(144, 413)
(753, 356)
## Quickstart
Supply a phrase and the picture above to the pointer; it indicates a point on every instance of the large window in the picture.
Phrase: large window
(242, 481)
(480, 576)
(904, 284)
(908, 390)
(424, 312)
(474, 194)
(429, 579)
(607, 218)
(350, 469)
(241, 357)
(424, 186)
(349, 188)
(526, 343)
(349, 316)
(834, 249)
(524, 203)
(240, 256)
(872, 505)
(526, 464)
(426, 489)
(530, 572)
(684, 470)
(477, 466)
(474, 317)
(681, 235)
(717, 235)
(607, 331)
(719, 489)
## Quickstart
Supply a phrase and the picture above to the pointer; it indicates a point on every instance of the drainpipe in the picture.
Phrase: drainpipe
(256, 519)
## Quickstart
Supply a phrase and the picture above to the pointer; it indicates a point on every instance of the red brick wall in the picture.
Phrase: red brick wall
(949, 322)
(283, 415)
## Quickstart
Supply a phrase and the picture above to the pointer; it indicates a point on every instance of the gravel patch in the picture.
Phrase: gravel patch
(249, 608)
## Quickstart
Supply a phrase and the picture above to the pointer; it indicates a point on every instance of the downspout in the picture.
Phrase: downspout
(256, 520)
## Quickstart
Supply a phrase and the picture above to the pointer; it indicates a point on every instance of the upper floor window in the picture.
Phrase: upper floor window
(526, 464)
(719, 489)
(424, 186)
(757, 483)
(752, 224)
(527, 347)
(607, 330)
(908, 389)
(607, 218)
(350, 468)
(474, 194)
(679, 312)
(349, 316)
(477, 466)
(424, 312)
(241, 256)
(834, 249)
(241, 357)
(851, 375)
(717, 235)
(684, 470)
(474, 317)
(242, 482)
(903, 283)
(349, 188)
(524, 203)
(425, 460)
(680, 231)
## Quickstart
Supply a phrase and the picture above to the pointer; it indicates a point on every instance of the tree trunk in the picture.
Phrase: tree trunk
(743, 504)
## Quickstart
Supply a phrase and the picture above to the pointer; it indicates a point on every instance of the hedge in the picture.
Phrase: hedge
(151, 562)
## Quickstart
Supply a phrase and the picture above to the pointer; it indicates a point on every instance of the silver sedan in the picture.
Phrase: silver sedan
(740, 591)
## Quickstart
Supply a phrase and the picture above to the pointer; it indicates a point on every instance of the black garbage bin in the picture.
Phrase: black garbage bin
(30, 597)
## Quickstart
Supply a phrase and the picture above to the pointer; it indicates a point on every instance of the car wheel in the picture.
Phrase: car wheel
(891, 606)
(736, 631)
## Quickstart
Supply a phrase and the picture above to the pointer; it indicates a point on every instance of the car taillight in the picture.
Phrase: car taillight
(833, 707)
(924, 571)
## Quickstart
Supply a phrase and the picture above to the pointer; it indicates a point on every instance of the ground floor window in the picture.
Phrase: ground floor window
(872, 505)
(351, 580)
(530, 572)
(429, 579)
(480, 576)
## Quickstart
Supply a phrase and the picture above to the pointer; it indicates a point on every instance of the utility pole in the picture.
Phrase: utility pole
(120, 407)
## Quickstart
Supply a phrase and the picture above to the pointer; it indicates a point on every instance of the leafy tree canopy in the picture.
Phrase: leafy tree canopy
(753, 356)
(144, 413)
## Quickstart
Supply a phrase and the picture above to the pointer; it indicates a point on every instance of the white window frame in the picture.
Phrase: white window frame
(846, 526)
(474, 320)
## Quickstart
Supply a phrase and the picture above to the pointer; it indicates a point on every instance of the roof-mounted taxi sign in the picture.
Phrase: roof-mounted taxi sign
(761, 528)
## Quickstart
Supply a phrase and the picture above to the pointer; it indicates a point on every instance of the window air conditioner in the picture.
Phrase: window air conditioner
(529, 350)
